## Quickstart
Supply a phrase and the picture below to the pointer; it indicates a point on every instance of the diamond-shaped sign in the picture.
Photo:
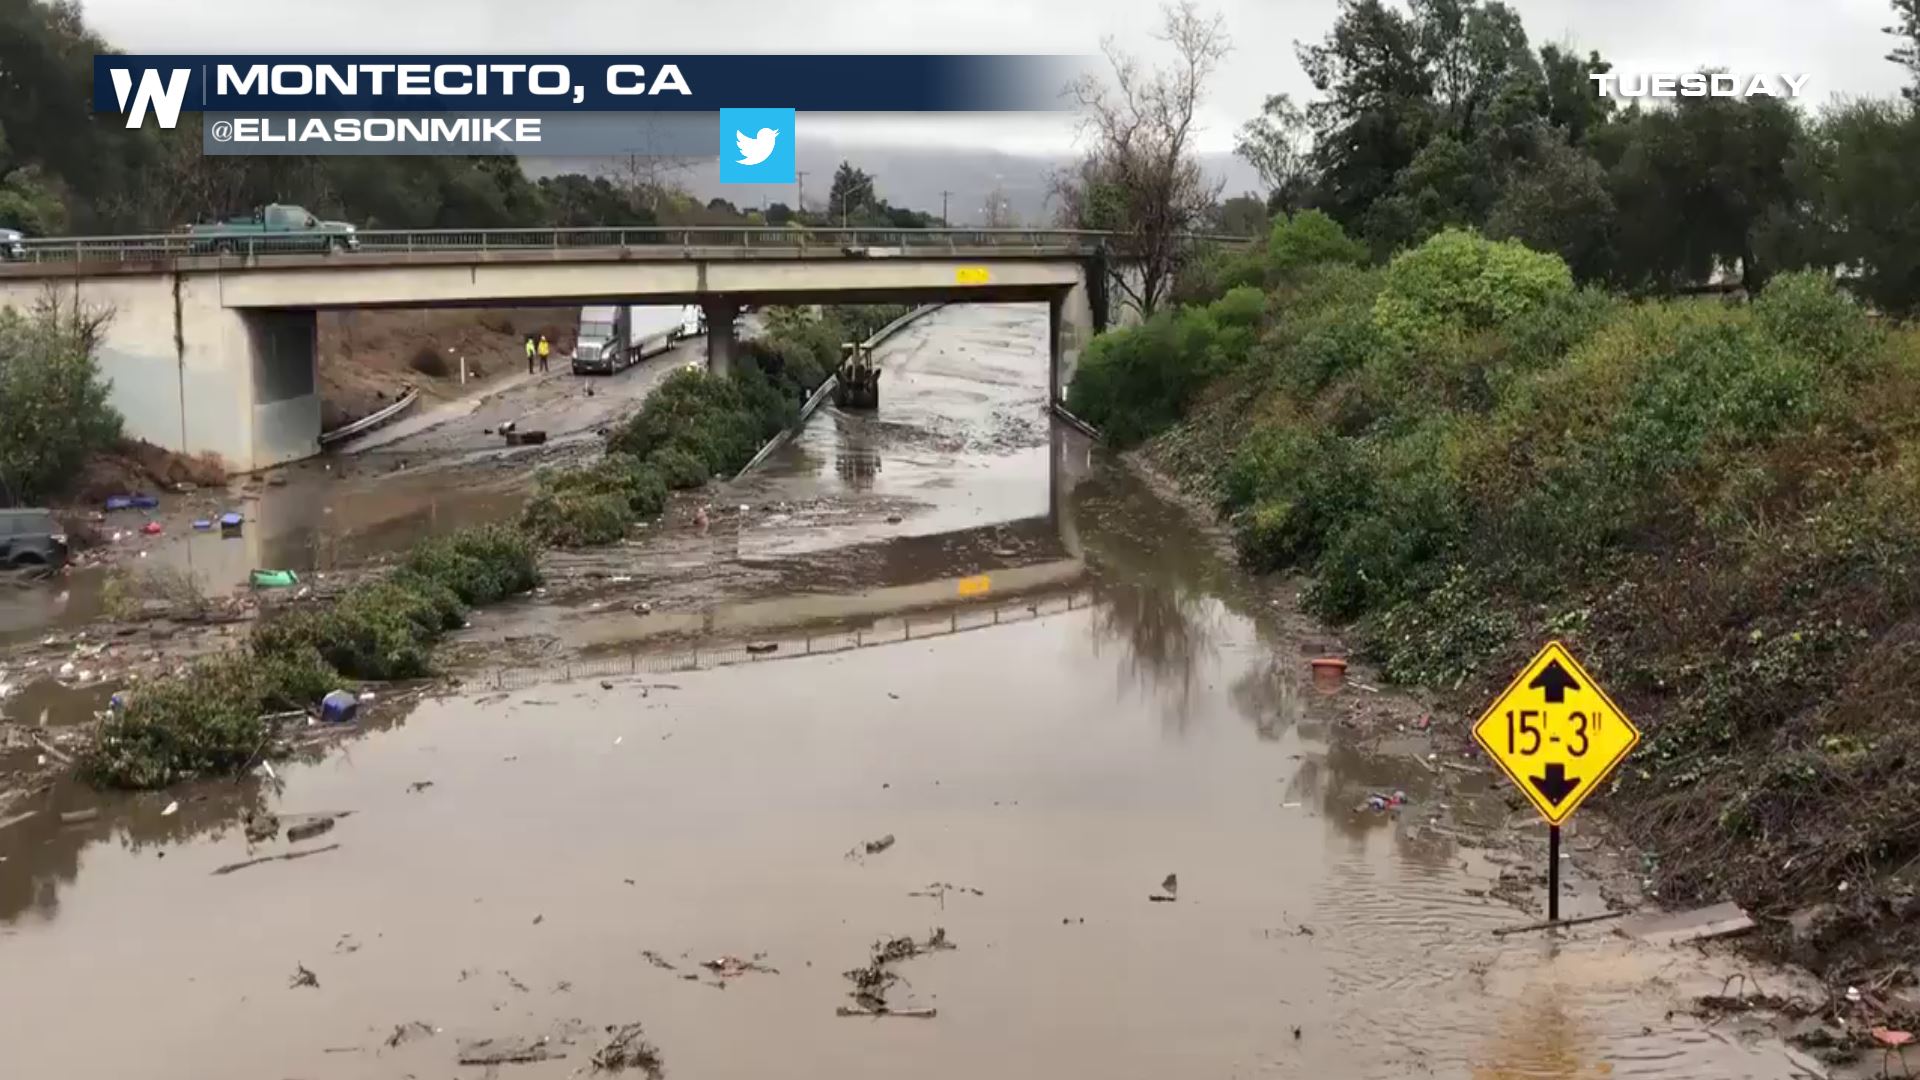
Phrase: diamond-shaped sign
(1555, 733)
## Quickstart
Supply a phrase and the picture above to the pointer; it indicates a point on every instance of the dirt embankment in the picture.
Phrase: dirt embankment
(368, 359)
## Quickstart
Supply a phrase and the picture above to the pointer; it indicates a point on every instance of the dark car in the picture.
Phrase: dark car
(31, 538)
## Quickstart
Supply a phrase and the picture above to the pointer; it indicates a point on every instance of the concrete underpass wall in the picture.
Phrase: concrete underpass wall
(184, 367)
(286, 398)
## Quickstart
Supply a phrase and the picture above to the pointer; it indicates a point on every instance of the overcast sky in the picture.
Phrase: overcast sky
(1837, 42)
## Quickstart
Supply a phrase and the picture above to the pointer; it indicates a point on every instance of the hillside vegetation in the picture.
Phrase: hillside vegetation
(1716, 504)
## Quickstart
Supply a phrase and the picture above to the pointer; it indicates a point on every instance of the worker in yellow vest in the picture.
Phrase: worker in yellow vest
(530, 353)
(544, 350)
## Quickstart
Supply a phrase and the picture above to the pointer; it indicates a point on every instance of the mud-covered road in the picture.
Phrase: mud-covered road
(1032, 673)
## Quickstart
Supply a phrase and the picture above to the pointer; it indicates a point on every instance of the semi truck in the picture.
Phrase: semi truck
(614, 337)
(273, 228)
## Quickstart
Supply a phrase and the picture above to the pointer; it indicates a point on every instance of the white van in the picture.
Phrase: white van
(693, 321)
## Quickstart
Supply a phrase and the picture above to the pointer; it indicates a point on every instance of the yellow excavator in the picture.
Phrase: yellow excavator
(857, 383)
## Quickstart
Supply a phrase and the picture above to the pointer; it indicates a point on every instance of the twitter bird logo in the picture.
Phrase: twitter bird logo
(755, 148)
(764, 157)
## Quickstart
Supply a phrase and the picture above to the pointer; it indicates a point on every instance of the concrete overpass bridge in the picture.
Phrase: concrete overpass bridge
(215, 352)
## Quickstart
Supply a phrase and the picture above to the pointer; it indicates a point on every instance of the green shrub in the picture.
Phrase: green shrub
(1306, 240)
(206, 720)
(576, 519)
(295, 679)
(1808, 312)
(53, 403)
(1459, 282)
(481, 565)
(1135, 381)
(680, 468)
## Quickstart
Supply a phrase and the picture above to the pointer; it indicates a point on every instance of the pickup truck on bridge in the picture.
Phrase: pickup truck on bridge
(276, 228)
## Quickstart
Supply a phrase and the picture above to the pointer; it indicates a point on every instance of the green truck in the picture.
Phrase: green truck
(275, 228)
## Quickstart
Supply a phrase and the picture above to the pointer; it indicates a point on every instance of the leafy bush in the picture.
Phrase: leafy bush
(1459, 282)
(53, 402)
(680, 468)
(573, 519)
(1807, 311)
(480, 565)
(207, 720)
(1306, 240)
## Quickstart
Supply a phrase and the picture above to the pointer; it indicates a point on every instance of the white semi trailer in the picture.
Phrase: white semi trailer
(615, 337)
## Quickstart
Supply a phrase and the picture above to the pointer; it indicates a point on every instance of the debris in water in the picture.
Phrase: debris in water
(289, 857)
(606, 684)
(507, 1052)
(538, 919)
(1169, 888)
(303, 977)
(513, 982)
(172, 807)
(871, 983)
(261, 827)
(659, 961)
(307, 830)
(626, 1049)
(761, 647)
(419, 786)
(412, 1029)
(79, 817)
(875, 847)
(1718, 920)
(1889, 1037)
(728, 967)
(940, 889)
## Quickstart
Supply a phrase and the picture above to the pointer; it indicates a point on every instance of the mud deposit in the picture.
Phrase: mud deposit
(523, 877)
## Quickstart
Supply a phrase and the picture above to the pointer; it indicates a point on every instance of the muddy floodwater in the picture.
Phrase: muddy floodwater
(1048, 759)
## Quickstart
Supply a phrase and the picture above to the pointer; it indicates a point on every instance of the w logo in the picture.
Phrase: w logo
(164, 98)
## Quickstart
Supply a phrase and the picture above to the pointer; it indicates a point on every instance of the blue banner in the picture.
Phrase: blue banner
(167, 85)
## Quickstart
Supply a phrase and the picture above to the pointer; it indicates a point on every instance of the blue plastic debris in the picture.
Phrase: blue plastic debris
(230, 521)
(130, 502)
(119, 502)
(117, 704)
(202, 524)
(339, 707)
(146, 502)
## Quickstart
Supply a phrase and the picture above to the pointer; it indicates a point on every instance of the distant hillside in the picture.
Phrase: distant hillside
(912, 177)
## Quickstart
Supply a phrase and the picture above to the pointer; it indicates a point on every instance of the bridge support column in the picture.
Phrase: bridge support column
(721, 343)
(1070, 327)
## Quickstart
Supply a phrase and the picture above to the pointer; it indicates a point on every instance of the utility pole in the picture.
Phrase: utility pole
(800, 179)
(943, 208)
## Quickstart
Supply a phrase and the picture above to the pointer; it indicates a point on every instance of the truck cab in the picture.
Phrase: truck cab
(600, 346)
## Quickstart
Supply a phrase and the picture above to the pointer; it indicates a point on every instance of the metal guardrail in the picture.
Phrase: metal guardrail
(665, 658)
(866, 241)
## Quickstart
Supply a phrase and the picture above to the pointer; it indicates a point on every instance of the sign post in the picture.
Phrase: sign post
(1557, 736)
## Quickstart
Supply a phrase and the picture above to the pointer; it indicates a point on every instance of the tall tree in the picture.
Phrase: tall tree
(1376, 107)
(1139, 176)
(1275, 143)
(1907, 52)
(852, 191)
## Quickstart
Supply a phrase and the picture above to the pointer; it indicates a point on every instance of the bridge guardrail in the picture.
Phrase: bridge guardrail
(872, 241)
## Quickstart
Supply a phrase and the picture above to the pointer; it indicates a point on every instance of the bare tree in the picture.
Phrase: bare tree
(1275, 143)
(997, 212)
(1138, 177)
(647, 180)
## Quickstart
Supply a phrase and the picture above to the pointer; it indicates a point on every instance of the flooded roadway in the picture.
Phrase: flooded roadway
(1054, 754)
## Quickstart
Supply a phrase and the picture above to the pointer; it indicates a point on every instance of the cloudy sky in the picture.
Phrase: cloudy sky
(1837, 42)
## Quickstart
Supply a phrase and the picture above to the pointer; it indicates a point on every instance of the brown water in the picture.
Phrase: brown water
(1145, 720)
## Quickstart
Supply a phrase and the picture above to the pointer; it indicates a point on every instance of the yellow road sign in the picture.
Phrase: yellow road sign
(1555, 733)
(972, 275)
